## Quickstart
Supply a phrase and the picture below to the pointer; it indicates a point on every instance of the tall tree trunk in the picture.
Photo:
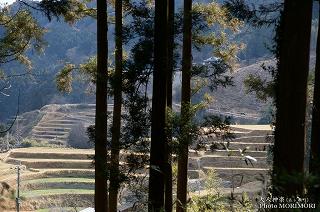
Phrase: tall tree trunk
(290, 134)
(185, 108)
(158, 118)
(101, 186)
(168, 184)
(315, 132)
(116, 126)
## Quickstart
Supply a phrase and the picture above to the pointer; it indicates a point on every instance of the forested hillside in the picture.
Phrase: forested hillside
(75, 43)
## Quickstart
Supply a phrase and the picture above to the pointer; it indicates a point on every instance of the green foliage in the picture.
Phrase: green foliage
(21, 32)
(257, 15)
(64, 78)
(88, 70)
(9, 141)
(214, 125)
(212, 74)
(212, 182)
(35, 143)
(216, 202)
(174, 172)
(217, 124)
(71, 10)
(267, 115)
(281, 178)
(24, 30)
(198, 132)
(223, 27)
(78, 138)
(6, 142)
(263, 89)
(207, 203)
(245, 204)
(212, 200)
(3, 127)
(85, 73)
(310, 88)
(137, 122)
(184, 129)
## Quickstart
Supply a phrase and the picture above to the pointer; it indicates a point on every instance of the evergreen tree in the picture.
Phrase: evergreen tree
(137, 71)
(291, 90)
(101, 186)
(185, 108)
(116, 123)
(158, 117)
(22, 32)
(171, 46)
(314, 167)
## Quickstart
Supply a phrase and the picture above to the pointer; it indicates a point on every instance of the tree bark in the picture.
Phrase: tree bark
(116, 126)
(185, 108)
(291, 93)
(168, 184)
(101, 186)
(158, 118)
(315, 130)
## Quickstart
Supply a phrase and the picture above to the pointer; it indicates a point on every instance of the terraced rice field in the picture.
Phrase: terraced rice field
(46, 192)
(65, 209)
(230, 162)
(63, 177)
(55, 126)
(55, 177)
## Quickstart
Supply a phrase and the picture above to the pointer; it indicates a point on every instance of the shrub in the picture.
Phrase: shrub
(2, 128)
(78, 137)
(8, 142)
(27, 143)
(36, 143)
(213, 200)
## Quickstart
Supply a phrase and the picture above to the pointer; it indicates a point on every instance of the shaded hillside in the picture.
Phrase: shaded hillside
(235, 98)
(74, 44)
